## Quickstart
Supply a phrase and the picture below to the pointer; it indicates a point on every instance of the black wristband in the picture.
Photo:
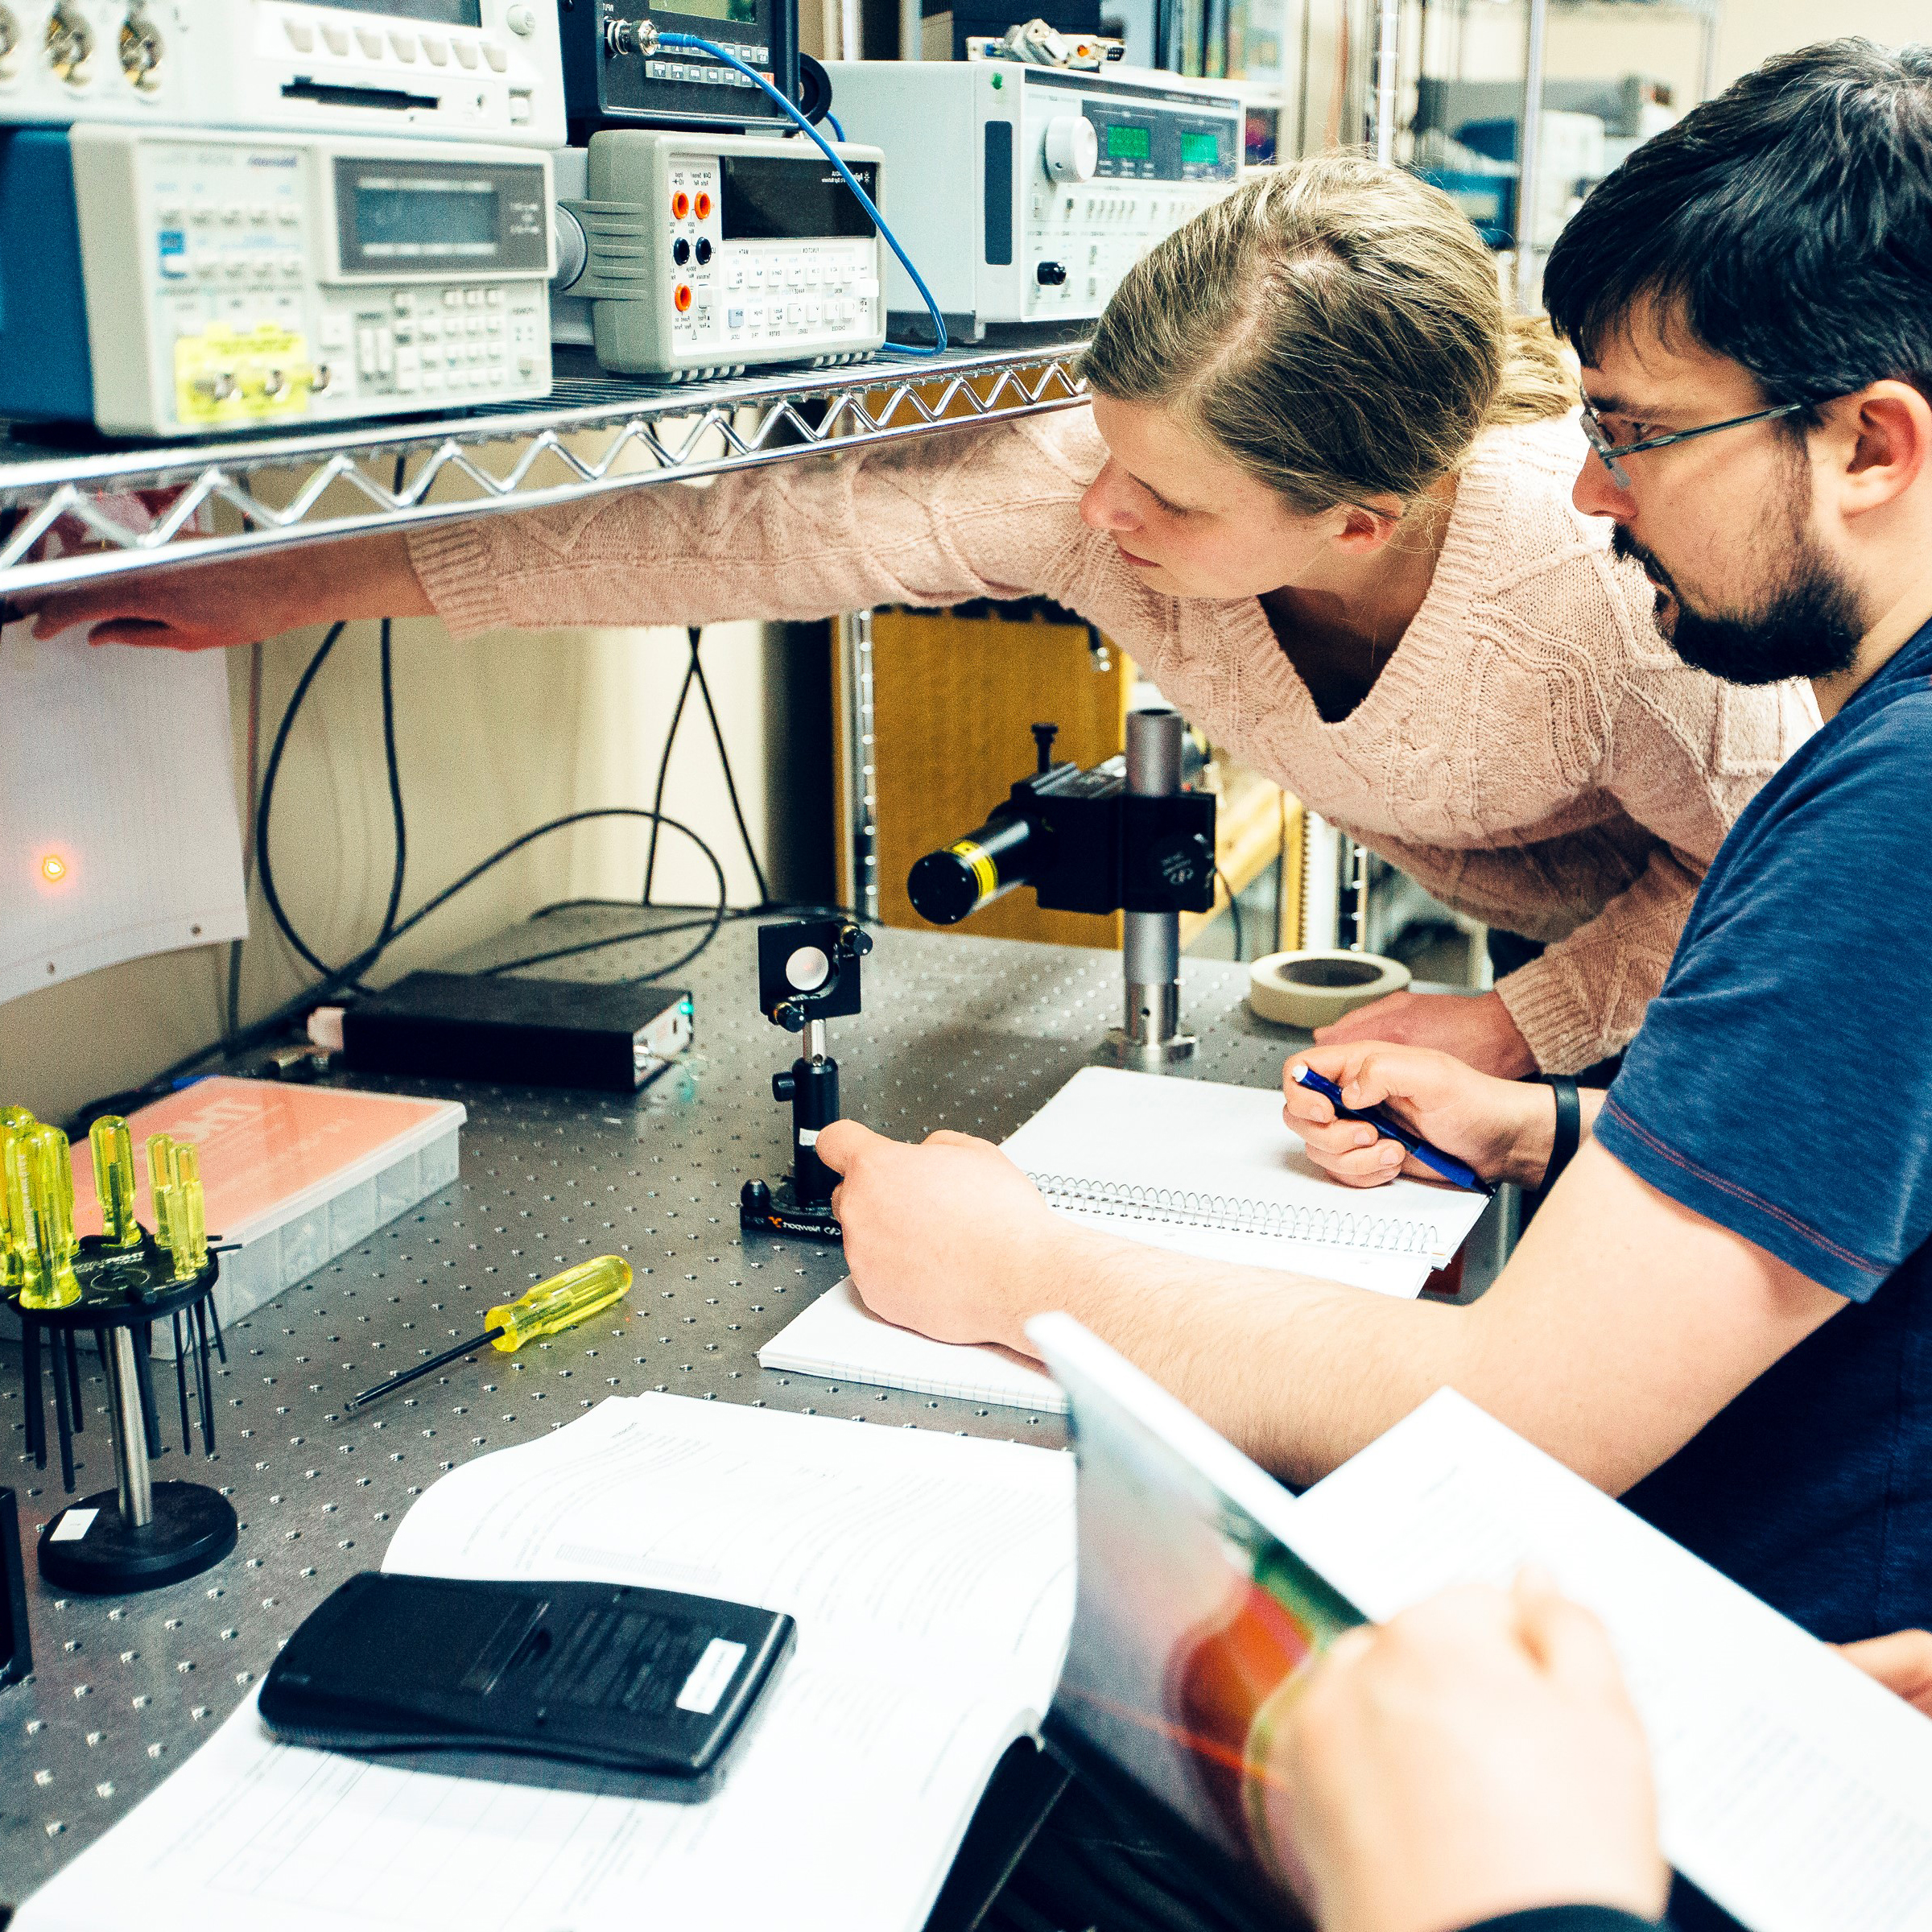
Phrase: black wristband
(1569, 1126)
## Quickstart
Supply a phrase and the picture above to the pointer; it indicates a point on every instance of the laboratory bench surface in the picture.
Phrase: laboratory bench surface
(959, 1032)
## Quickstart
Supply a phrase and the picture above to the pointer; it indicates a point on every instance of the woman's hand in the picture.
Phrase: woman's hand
(240, 599)
(1475, 1028)
(1504, 1129)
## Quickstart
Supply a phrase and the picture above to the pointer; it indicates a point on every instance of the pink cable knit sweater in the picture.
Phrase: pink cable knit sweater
(1532, 753)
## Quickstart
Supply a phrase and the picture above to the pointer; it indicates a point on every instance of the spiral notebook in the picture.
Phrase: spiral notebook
(1203, 1168)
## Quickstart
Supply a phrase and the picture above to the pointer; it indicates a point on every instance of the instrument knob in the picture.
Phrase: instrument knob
(1051, 274)
(1072, 150)
(521, 21)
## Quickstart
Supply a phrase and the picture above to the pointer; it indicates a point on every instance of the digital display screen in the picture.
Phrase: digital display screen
(1129, 143)
(445, 13)
(1200, 150)
(426, 217)
(766, 199)
(397, 221)
(746, 11)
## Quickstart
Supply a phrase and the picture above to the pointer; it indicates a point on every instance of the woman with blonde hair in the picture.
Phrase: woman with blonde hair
(1321, 495)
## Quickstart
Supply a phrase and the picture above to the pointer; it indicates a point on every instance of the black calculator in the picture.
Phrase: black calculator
(652, 1684)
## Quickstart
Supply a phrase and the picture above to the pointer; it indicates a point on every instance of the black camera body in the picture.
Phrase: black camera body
(1082, 841)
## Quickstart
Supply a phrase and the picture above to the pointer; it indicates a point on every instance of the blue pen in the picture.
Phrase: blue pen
(1385, 1123)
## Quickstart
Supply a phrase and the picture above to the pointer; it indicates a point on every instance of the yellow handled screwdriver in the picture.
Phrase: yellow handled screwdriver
(549, 1308)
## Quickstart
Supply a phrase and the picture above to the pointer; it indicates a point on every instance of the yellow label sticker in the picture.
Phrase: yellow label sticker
(230, 375)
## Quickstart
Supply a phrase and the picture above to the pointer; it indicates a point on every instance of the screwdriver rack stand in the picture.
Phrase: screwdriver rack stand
(70, 512)
(141, 1534)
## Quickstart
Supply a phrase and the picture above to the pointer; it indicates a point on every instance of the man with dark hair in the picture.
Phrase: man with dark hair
(1723, 1308)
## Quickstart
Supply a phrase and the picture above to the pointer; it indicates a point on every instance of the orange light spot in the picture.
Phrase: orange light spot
(53, 868)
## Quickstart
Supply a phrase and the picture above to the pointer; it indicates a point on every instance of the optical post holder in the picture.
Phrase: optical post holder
(808, 973)
(1122, 837)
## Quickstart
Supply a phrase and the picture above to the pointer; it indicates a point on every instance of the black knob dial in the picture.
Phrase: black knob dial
(1050, 274)
(756, 1196)
(703, 250)
(783, 1086)
(680, 251)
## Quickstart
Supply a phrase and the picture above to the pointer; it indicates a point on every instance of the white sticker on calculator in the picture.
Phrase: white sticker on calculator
(713, 1672)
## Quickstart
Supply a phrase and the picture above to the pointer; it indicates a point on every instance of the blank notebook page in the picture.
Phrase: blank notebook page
(1214, 1170)
(1144, 1138)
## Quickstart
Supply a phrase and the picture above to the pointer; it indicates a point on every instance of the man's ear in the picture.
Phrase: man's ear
(1881, 444)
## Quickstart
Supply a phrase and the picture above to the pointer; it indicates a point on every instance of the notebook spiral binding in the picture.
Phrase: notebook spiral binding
(1327, 1226)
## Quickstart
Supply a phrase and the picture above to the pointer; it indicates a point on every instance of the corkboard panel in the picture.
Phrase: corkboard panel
(952, 700)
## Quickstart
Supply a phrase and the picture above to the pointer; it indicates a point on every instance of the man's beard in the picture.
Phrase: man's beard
(1807, 625)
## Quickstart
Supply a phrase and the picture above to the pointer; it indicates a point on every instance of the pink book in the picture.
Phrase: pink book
(295, 1175)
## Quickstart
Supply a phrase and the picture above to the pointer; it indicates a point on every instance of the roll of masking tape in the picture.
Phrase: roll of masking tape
(1311, 989)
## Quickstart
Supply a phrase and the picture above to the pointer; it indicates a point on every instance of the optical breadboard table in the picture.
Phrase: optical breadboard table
(958, 1032)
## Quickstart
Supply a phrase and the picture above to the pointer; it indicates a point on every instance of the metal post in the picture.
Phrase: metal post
(912, 28)
(858, 857)
(813, 1047)
(1528, 279)
(1388, 22)
(130, 1435)
(1150, 956)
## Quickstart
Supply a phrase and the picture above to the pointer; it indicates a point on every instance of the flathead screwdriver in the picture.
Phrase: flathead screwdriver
(549, 1308)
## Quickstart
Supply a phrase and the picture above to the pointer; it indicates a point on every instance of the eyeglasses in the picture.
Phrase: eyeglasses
(1611, 452)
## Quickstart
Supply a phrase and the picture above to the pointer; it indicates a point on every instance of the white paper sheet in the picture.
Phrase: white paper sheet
(1791, 1788)
(1230, 1144)
(931, 1577)
(840, 1339)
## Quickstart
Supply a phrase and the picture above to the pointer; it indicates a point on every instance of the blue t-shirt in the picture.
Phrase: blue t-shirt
(1781, 1087)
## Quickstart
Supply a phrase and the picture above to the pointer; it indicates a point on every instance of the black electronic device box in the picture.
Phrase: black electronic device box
(616, 1037)
(609, 81)
(480, 1678)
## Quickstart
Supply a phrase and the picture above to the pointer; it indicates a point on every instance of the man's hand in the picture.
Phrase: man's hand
(949, 1238)
(1902, 1662)
(1503, 1129)
(241, 600)
(1477, 1030)
(1478, 1754)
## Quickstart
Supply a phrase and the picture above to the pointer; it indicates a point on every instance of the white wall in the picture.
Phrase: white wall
(1589, 41)
(1753, 30)
(494, 735)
